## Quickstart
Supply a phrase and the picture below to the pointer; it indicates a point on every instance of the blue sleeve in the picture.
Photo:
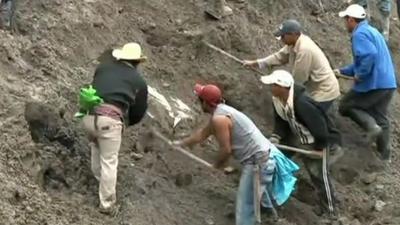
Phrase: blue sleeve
(364, 55)
(348, 70)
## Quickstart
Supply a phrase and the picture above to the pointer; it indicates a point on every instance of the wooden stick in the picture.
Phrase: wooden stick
(299, 150)
(181, 150)
(234, 58)
(344, 77)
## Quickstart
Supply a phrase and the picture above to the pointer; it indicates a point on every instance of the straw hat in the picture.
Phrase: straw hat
(130, 51)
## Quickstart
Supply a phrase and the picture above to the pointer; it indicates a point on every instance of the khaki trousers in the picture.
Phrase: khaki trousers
(105, 142)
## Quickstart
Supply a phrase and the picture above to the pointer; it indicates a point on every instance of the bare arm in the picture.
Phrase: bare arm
(198, 136)
(222, 129)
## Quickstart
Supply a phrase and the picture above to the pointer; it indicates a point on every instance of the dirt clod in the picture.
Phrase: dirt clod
(183, 179)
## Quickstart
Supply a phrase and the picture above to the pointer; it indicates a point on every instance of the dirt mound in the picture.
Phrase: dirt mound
(44, 156)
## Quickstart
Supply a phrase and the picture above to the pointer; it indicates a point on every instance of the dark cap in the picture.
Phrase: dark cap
(289, 26)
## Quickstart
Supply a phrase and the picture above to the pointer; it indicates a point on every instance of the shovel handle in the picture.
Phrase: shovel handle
(299, 150)
(181, 150)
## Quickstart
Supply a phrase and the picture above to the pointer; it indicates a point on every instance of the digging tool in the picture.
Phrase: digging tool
(234, 58)
(181, 150)
(344, 77)
(299, 150)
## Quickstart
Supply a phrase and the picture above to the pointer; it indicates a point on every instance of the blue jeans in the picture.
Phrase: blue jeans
(245, 214)
(384, 5)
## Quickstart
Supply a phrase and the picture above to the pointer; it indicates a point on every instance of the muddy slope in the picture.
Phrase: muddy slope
(44, 157)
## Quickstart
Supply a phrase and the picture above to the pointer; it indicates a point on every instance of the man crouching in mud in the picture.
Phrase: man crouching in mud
(262, 162)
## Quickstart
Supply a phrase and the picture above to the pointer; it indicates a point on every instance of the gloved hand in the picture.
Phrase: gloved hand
(274, 139)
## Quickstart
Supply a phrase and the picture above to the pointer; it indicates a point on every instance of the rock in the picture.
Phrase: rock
(179, 22)
(379, 205)
(165, 84)
(209, 221)
(183, 179)
(19, 194)
(29, 209)
(369, 178)
(380, 187)
(229, 169)
(355, 222)
(136, 156)
(344, 221)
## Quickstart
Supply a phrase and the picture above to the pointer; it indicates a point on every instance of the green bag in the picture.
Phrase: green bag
(88, 99)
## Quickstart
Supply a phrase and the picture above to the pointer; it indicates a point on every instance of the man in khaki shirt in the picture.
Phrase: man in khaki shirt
(308, 64)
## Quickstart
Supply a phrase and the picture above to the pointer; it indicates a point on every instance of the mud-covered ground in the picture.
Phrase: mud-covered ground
(45, 173)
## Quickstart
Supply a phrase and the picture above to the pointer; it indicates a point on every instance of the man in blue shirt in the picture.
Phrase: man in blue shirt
(374, 80)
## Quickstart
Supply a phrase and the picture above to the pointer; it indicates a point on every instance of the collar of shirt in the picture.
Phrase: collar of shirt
(359, 25)
(296, 47)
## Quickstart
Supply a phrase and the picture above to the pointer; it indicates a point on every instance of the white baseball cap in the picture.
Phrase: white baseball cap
(279, 77)
(355, 11)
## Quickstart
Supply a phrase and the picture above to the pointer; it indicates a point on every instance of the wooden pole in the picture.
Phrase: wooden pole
(181, 150)
(234, 58)
(299, 150)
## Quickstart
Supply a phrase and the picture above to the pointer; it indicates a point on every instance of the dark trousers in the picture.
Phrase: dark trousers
(330, 109)
(368, 110)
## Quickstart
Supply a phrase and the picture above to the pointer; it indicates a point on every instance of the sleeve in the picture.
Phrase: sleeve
(365, 53)
(302, 66)
(281, 127)
(138, 109)
(314, 119)
(278, 58)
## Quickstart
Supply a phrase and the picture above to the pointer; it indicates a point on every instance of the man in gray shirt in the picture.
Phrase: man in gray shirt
(237, 135)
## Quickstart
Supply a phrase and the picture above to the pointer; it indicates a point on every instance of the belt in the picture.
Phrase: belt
(107, 110)
(258, 159)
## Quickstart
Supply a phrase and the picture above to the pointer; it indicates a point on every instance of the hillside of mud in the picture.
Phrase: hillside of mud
(44, 156)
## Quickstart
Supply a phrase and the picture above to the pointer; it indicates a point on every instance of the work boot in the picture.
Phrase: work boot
(383, 144)
(367, 122)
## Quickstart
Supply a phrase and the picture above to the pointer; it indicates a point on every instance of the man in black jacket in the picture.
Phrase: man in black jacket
(124, 94)
(297, 115)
